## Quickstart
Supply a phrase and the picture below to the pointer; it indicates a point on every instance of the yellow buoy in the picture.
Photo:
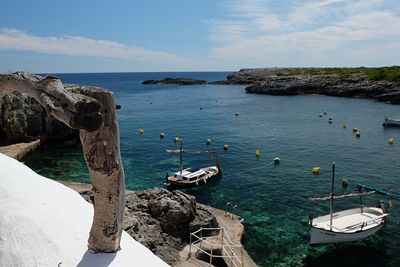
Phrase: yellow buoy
(226, 147)
(208, 142)
(355, 130)
(277, 161)
(344, 126)
(391, 141)
(316, 170)
(162, 135)
(320, 114)
(358, 135)
(258, 153)
(177, 139)
(141, 131)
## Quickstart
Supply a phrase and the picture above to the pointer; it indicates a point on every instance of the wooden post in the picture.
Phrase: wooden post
(92, 111)
(101, 149)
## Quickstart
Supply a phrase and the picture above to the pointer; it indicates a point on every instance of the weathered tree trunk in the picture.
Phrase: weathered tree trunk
(92, 110)
(75, 110)
(102, 155)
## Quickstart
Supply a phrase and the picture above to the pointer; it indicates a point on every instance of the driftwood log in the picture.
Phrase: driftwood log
(92, 111)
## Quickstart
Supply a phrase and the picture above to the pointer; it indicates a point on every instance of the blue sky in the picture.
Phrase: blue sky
(193, 35)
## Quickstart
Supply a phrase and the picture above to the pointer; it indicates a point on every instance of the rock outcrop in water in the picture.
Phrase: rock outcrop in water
(178, 81)
(23, 119)
(161, 220)
(277, 81)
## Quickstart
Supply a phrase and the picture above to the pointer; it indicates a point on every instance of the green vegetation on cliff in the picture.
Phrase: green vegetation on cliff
(376, 74)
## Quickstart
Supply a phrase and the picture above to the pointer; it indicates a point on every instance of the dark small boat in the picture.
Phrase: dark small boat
(192, 177)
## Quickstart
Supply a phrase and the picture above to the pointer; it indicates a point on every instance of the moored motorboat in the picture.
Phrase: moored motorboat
(346, 225)
(192, 177)
(391, 122)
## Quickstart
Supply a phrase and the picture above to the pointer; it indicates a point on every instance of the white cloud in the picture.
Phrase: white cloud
(12, 39)
(310, 32)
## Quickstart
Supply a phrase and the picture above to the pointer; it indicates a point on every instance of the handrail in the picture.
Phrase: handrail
(374, 220)
(227, 246)
(208, 242)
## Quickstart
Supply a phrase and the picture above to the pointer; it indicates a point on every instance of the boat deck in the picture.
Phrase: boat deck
(352, 222)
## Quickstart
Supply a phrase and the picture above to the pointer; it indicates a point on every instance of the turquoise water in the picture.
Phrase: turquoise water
(271, 198)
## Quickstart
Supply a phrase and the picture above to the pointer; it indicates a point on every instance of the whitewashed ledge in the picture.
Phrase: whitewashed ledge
(44, 223)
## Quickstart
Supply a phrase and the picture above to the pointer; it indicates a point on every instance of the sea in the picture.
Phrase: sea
(272, 199)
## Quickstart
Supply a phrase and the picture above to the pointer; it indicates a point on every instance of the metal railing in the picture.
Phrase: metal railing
(230, 252)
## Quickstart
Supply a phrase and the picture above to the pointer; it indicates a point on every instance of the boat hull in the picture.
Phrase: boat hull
(347, 225)
(174, 184)
(321, 236)
(391, 122)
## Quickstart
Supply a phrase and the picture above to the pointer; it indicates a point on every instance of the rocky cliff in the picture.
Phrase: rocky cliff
(344, 82)
(23, 119)
(160, 219)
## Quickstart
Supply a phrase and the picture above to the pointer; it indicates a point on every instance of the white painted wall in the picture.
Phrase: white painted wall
(43, 223)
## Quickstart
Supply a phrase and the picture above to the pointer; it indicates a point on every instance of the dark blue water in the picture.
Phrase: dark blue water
(271, 198)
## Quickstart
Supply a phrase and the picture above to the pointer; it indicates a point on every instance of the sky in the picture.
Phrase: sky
(196, 35)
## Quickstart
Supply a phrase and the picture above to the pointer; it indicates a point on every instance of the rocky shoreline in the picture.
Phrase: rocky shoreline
(178, 81)
(286, 81)
(23, 119)
(159, 219)
(369, 83)
(162, 220)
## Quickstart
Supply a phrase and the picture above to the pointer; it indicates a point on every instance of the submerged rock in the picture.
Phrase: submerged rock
(179, 81)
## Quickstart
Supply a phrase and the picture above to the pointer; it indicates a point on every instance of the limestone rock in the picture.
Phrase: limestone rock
(23, 119)
(162, 220)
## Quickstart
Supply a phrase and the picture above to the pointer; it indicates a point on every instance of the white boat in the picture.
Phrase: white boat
(189, 177)
(192, 177)
(347, 225)
(391, 122)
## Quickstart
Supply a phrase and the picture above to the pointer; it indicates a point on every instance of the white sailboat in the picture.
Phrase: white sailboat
(347, 225)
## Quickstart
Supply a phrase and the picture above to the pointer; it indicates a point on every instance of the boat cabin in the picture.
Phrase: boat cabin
(190, 174)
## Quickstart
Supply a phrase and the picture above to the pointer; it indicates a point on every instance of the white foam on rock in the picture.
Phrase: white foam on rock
(44, 223)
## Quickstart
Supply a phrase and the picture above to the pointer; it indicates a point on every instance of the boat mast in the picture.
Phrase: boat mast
(333, 188)
(180, 156)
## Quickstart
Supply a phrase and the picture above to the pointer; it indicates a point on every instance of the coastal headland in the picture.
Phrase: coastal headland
(381, 84)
